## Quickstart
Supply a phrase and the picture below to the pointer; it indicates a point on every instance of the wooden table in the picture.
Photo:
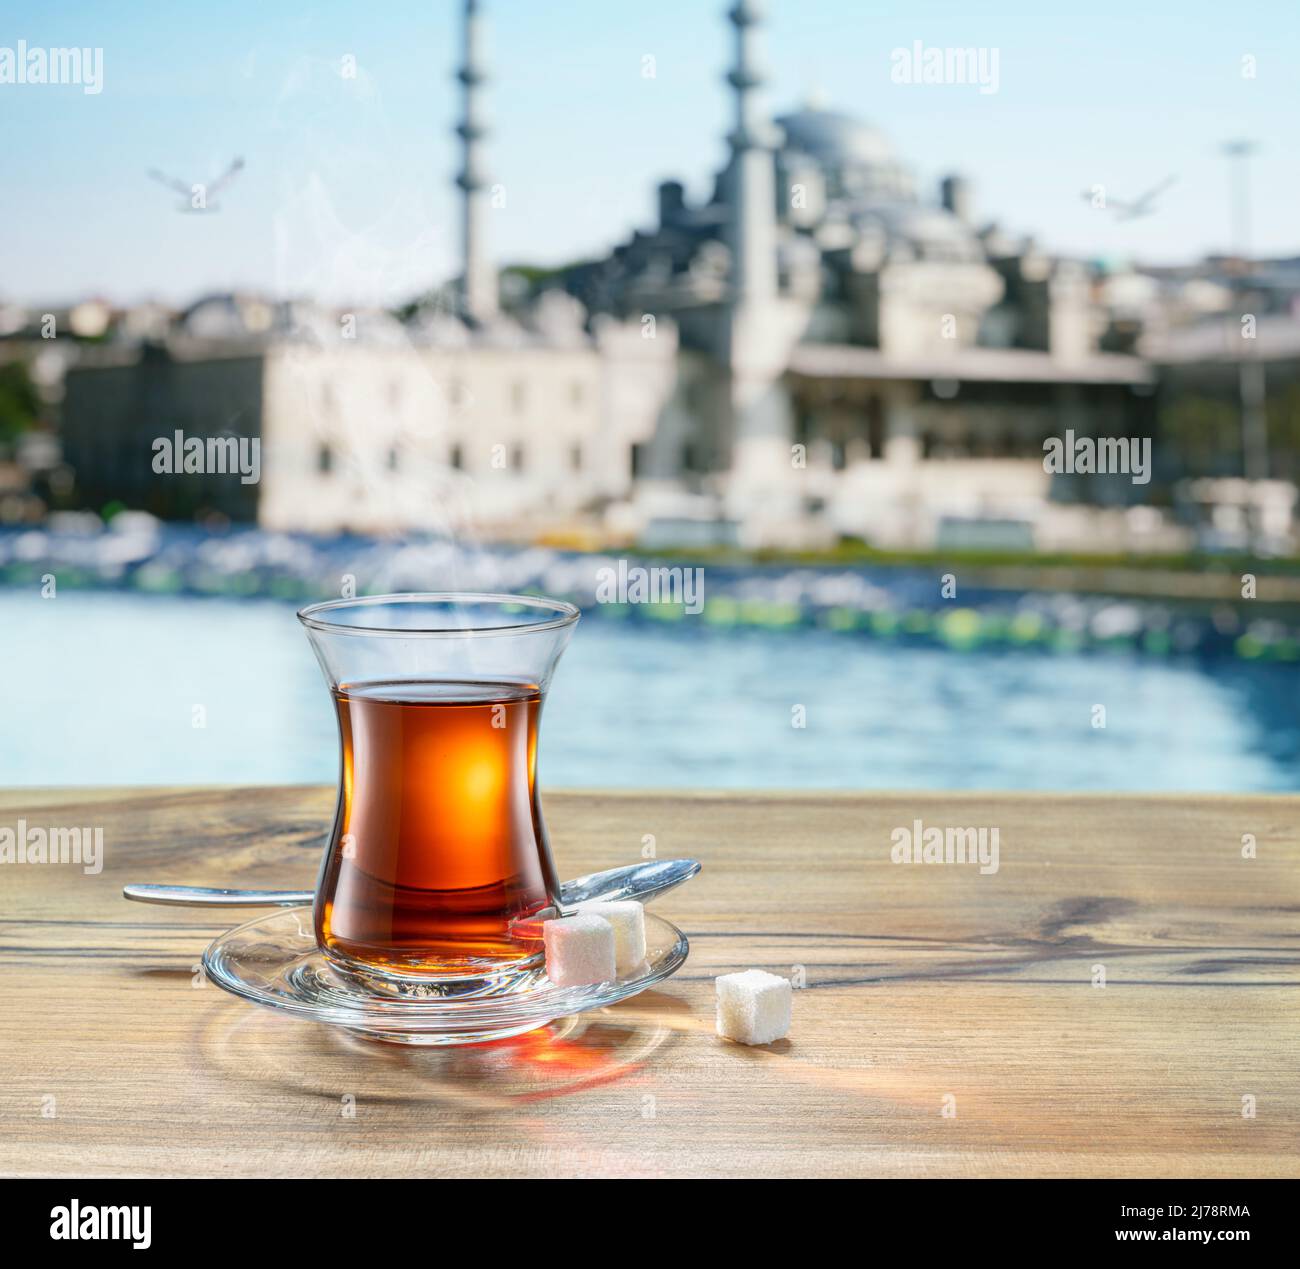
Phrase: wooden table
(929, 990)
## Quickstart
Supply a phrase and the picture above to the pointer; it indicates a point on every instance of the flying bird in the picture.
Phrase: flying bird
(199, 196)
(1138, 207)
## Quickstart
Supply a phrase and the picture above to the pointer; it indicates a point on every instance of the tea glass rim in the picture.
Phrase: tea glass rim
(566, 614)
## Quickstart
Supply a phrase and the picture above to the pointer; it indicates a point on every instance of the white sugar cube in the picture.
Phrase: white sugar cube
(579, 950)
(627, 916)
(753, 1007)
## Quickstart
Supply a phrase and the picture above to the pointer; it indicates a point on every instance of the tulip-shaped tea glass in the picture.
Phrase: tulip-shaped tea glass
(439, 855)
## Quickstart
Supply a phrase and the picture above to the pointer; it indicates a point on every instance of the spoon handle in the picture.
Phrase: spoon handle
(633, 881)
(213, 897)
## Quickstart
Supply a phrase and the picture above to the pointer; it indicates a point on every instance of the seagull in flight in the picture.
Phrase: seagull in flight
(199, 196)
(1139, 206)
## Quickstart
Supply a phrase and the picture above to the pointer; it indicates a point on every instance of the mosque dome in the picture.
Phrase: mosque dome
(834, 138)
(857, 162)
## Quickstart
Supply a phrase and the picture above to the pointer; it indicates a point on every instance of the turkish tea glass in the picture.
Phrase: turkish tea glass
(439, 861)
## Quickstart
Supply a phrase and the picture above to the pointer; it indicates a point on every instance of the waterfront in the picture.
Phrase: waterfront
(103, 688)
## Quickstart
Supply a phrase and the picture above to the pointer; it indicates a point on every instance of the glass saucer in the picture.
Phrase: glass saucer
(274, 961)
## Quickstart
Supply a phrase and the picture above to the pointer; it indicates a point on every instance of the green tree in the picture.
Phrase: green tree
(20, 404)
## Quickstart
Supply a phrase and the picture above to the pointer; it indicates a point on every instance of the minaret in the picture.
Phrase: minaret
(760, 326)
(752, 213)
(478, 283)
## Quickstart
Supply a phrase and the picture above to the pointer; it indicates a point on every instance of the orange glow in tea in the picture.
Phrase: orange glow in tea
(438, 843)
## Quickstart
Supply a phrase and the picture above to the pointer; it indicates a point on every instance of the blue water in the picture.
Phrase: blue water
(101, 688)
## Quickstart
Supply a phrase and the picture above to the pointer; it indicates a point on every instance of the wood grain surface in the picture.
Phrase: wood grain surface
(928, 989)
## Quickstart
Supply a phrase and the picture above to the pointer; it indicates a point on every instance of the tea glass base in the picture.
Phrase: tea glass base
(431, 1041)
(466, 978)
(273, 961)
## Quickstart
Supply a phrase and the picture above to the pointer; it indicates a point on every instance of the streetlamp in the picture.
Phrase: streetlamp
(1250, 370)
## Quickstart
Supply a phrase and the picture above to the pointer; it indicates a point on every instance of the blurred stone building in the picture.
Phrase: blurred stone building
(369, 425)
(817, 350)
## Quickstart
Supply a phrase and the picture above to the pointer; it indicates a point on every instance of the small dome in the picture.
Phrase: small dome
(557, 318)
(930, 233)
(230, 316)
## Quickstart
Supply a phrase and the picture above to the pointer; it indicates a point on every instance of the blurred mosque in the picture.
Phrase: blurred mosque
(854, 360)
(816, 351)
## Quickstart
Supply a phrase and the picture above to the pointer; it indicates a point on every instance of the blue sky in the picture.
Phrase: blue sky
(347, 191)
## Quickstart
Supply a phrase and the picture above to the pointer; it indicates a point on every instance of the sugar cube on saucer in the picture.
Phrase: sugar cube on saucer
(753, 1007)
(627, 916)
(579, 950)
